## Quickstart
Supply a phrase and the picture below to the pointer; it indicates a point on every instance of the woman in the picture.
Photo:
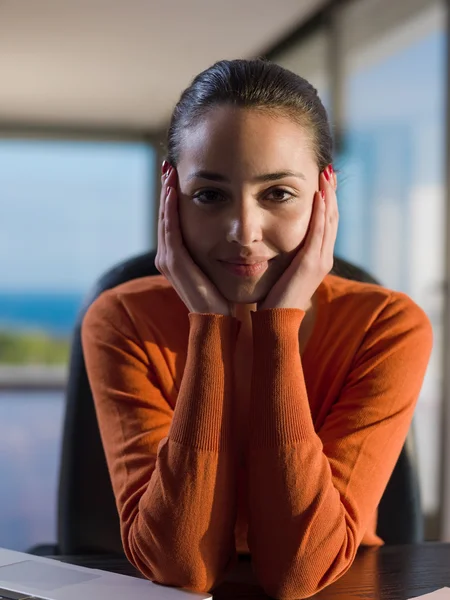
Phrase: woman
(248, 401)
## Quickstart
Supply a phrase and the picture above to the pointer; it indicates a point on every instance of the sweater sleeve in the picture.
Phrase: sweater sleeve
(311, 494)
(172, 471)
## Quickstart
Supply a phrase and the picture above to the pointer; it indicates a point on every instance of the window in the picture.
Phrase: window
(309, 59)
(392, 188)
(69, 211)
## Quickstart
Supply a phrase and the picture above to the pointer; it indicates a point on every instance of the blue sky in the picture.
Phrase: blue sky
(69, 210)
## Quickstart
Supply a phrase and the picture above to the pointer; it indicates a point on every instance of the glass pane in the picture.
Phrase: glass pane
(29, 451)
(392, 188)
(309, 59)
(69, 211)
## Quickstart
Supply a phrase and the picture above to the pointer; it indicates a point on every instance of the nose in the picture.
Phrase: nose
(244, 222)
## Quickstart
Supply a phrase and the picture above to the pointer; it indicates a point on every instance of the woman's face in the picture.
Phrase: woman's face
(246, 187)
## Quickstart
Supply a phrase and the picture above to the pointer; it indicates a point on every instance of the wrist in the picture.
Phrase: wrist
(211, 310)
(296, 301)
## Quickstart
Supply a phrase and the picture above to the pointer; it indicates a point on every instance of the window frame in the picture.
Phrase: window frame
(55, 378)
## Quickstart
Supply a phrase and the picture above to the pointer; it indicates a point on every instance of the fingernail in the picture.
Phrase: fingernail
(322, 193)
(327, 174)
(330, 167)
(165, 166)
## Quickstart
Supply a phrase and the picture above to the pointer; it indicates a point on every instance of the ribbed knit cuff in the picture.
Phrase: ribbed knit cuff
(203, 412)
(279, 413)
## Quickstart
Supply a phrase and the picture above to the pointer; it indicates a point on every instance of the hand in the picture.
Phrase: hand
(174, 261)
(301, 279)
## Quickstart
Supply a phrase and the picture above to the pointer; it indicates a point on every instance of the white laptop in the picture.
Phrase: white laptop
(27, 576)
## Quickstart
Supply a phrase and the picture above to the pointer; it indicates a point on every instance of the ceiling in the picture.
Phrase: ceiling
(122, 63)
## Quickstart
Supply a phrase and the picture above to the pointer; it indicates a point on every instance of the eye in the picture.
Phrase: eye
(208, 197)
(280, 195)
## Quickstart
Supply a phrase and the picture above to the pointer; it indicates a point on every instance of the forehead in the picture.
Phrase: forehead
(228, 138)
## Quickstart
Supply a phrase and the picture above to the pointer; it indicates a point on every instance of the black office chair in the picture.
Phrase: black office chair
(88, 522)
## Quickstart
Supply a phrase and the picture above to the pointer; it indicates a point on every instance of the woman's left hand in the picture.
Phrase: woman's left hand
(314, 260)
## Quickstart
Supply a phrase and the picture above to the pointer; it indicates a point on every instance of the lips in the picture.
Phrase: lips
(246, 261)
(245, 267)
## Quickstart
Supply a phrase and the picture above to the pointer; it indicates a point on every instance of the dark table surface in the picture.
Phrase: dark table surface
(387, 573)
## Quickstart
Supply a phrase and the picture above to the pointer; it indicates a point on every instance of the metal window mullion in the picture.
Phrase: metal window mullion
(336, 73)
(445, 407)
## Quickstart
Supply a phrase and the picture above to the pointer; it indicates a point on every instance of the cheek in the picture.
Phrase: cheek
(290, 232)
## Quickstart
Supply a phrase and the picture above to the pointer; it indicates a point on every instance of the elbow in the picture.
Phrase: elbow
(185, 576)
(288, 588)
(295, 587)
(175, 569)
(189, 577)
(306, 576)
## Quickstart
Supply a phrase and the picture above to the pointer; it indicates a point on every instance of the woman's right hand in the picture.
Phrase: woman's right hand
(174, 261)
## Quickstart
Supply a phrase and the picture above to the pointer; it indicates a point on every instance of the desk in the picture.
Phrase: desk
(387, 573)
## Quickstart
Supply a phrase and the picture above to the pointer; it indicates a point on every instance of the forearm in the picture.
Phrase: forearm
(299, 534)
(203, 415)
(181, 532)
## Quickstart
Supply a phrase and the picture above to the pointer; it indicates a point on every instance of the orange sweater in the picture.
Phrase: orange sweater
(323, 435)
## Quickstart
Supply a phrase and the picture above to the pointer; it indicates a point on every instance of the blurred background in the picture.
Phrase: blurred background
(86, 91)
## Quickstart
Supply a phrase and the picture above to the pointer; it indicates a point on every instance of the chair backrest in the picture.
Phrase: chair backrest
(88, 522)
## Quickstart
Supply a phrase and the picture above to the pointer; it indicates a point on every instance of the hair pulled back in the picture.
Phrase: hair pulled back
(258, 84)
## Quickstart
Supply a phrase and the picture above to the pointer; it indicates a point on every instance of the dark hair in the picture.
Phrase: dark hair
(258, 84)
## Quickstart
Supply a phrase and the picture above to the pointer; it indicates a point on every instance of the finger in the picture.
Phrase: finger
(314, 238)
(172, 221)
(162, 196)
(161, 258)
(330, 176)
(329, 187)
(166, 178)
(325, 181)
(172, 177)
(162, 203)
(161, 226)
(331, 223)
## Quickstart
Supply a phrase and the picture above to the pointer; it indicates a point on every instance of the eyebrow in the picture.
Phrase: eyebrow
(263, 178)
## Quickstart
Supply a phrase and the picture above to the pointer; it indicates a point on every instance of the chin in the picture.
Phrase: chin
(239, 290)
(250, 292)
